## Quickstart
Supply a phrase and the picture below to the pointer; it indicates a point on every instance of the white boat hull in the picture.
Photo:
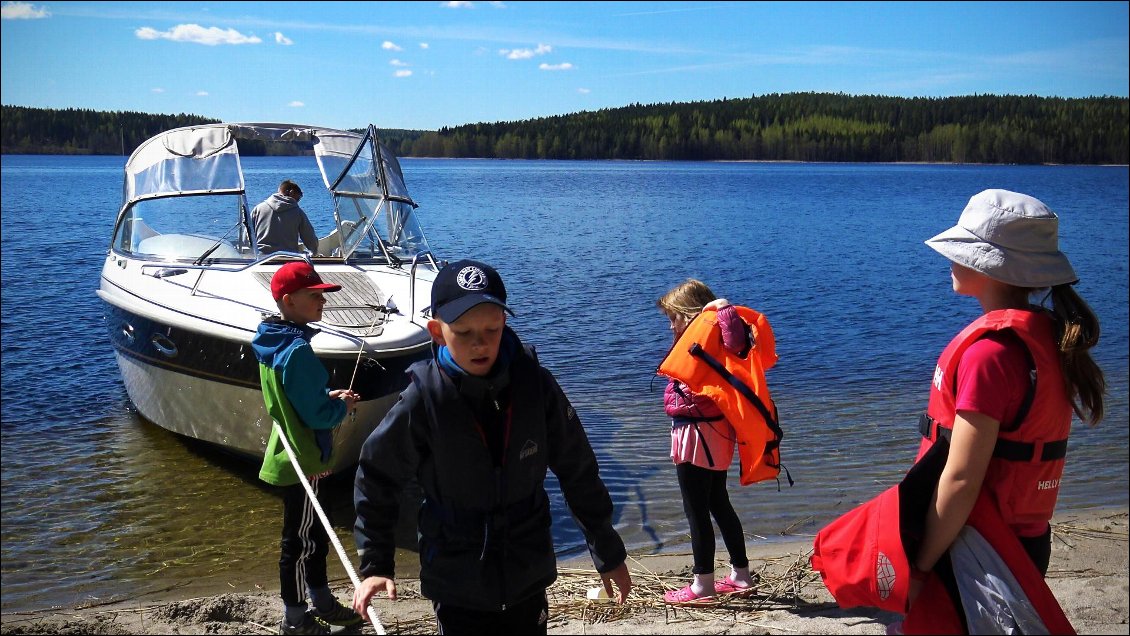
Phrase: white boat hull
(229, 416)
(190, 368)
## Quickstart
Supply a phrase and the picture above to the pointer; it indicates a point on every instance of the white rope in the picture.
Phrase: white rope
(368, 332)
(326, 522)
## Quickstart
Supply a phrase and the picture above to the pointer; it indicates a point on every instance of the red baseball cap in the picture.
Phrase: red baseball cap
(295, 276)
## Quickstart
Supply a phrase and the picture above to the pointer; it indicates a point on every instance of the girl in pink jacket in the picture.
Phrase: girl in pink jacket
(702, 447)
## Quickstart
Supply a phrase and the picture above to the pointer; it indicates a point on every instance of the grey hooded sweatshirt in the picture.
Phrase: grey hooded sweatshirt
(280, 223)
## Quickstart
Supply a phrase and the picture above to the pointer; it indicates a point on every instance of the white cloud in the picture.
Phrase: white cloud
(157, 90)
(395, 62)
(201, 93)
(565, 66)
(389, 46)
(22, 11)
(459, 5)
(282, 39)
(198, 35)
(402, 73)
(296, 104)
(584, 91)
(525, 54)
(424, 45)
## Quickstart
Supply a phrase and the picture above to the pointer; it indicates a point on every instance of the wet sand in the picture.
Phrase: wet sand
(1088, 574)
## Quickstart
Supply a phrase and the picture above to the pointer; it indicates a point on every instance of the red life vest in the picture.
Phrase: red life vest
(736, 384)
(1024, 474)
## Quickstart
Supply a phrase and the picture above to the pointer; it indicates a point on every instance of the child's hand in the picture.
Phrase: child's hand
(368, 589)
(623, 580)
(350, 398)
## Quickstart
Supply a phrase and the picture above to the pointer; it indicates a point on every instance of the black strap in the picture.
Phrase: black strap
(770, 417)
(694, 422)
(685, 420)
(1005, 448)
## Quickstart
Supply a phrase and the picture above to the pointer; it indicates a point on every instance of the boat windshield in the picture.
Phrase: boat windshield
(186, 228)
(376, 216)
(184, 196)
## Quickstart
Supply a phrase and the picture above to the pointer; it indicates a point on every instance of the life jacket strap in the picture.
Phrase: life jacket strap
(687, 420)
(1007, 449)
(747, 392)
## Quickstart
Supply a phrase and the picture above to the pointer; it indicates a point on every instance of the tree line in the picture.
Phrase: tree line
(779, 127)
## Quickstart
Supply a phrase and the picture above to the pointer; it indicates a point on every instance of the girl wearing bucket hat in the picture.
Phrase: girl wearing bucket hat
(1003, 392)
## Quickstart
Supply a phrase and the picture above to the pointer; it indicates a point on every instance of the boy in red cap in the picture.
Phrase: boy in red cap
(477, 428)
(295, 392)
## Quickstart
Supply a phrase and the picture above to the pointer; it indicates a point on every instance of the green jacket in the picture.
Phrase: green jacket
(295, 392)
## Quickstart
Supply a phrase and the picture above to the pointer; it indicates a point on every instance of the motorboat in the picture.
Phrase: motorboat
(185, 284)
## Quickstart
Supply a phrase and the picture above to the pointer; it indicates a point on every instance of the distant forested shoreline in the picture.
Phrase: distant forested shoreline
(817, 127)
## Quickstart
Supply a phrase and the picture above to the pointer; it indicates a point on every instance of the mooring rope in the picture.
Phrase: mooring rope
(326, 522)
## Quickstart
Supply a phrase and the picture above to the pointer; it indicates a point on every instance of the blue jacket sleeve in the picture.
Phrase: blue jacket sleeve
(304, 380)
(572, 460)
(389, 460)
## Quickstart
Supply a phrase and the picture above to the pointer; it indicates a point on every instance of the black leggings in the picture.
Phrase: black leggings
(1040, 549)
(704, 494)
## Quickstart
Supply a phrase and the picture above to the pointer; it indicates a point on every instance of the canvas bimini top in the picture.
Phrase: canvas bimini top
(362, 175)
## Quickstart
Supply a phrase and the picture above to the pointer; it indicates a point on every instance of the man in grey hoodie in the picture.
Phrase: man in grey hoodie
(280, 223)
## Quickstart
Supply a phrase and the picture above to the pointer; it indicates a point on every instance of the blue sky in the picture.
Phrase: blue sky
(424, 65)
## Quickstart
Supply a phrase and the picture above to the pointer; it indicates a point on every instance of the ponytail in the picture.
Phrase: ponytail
(1077, 330)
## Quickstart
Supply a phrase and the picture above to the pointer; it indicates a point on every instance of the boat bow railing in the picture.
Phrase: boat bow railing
(412, 281)
(164, 270)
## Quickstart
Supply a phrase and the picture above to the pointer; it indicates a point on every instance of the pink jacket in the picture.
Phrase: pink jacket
(689, 442)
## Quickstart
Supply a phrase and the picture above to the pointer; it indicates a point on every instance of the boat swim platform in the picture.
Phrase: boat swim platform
(357, 308)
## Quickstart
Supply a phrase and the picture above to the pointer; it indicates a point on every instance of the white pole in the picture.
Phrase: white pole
(326, 522)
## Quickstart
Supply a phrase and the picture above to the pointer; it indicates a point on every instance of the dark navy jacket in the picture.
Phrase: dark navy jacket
(484, 525)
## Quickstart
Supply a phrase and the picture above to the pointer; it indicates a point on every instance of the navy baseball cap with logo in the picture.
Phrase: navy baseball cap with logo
(465, 284)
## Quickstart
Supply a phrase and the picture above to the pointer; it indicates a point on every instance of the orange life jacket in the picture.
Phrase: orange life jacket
(1024, 474)
(736, 384)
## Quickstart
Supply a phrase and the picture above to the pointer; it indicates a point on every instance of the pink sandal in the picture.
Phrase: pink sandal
(686, 596)
(729, 587)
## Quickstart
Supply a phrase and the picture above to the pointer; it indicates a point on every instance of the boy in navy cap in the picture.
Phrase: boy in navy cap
(477, 428)
(296, 395)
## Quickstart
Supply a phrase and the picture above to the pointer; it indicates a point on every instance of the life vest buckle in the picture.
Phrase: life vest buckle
(928, 427)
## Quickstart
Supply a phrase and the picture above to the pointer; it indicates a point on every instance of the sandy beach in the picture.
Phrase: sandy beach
(1088, 574)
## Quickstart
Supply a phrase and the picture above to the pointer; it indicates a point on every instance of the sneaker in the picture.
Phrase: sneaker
(339, 615)
(310, 625)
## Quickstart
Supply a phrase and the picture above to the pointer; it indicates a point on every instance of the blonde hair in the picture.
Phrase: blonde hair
(686, 299)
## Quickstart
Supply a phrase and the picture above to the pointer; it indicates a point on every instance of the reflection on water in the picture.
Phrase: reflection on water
(98, 503)
(153, 510)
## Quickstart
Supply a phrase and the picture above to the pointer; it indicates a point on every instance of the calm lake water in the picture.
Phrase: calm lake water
(98, 503)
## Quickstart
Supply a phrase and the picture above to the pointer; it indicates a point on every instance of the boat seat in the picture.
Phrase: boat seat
(332, 241)
(186, 246)
(139, 231)
(328, 243)
(355, 309)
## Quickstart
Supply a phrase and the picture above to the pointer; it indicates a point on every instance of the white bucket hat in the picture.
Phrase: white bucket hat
(1010, 237)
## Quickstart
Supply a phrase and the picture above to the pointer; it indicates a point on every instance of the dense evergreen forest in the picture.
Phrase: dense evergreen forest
(778, 127)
